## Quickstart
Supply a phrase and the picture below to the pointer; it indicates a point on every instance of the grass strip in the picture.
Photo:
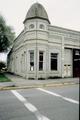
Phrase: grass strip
(3, 78)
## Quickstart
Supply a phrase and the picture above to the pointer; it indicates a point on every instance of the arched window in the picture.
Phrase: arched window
(31, 26)
(41, 26)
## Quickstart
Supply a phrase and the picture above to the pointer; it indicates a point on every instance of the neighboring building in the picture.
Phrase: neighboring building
(44, 51)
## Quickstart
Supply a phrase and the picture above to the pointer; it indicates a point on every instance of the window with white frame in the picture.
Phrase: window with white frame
(40, 60)
(54, 60)
(31, 60)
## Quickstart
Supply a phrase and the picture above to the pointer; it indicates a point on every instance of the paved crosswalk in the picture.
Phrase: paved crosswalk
(40, 104)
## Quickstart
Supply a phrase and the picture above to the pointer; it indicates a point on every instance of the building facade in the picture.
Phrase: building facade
(44, 51)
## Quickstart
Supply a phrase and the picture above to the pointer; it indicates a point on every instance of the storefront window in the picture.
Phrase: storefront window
(31, 60)
(40, 61)
(54, 61)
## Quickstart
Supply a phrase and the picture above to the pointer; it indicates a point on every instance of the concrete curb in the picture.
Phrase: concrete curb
(38, 85)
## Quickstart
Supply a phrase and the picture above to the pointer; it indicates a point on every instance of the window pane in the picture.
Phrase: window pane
(31, 26)
(31, 60)
(41, 56)
(40, 60)
(40, 65)
(53, 55)
(53, 61)
(31, 66)
(41, 26)
(31, 56)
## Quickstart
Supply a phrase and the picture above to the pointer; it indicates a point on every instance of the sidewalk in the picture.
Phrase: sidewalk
(20, 82)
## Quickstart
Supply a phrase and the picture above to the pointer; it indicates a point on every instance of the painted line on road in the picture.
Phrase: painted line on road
(57, 95)
(29, 106)
(70, 100)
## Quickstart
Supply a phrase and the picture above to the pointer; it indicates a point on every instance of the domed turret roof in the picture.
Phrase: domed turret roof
(37, 11)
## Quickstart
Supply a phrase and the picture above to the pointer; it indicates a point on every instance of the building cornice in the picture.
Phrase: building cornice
(65, 30)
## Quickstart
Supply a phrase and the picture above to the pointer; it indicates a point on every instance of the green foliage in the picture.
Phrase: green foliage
(3, 78)
(7, 35)
(4, 43)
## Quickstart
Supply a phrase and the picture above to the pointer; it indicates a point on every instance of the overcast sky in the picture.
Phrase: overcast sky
(63, 13)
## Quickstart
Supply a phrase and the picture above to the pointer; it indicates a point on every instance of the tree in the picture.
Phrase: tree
(7, 35)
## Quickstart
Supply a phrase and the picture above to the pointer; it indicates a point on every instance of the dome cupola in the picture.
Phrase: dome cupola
(37, 11)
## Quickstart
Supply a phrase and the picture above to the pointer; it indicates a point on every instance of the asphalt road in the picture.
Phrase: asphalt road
(59, 103)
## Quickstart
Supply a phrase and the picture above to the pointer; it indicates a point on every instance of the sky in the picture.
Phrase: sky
(3, 57)
(62, 13)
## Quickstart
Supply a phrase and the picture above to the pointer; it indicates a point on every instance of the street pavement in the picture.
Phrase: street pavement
(20, 82)
(58, 103)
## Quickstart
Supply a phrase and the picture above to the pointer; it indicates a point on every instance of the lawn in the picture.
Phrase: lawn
(3, 78)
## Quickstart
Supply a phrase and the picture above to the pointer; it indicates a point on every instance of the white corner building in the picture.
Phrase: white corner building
(43, 51)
